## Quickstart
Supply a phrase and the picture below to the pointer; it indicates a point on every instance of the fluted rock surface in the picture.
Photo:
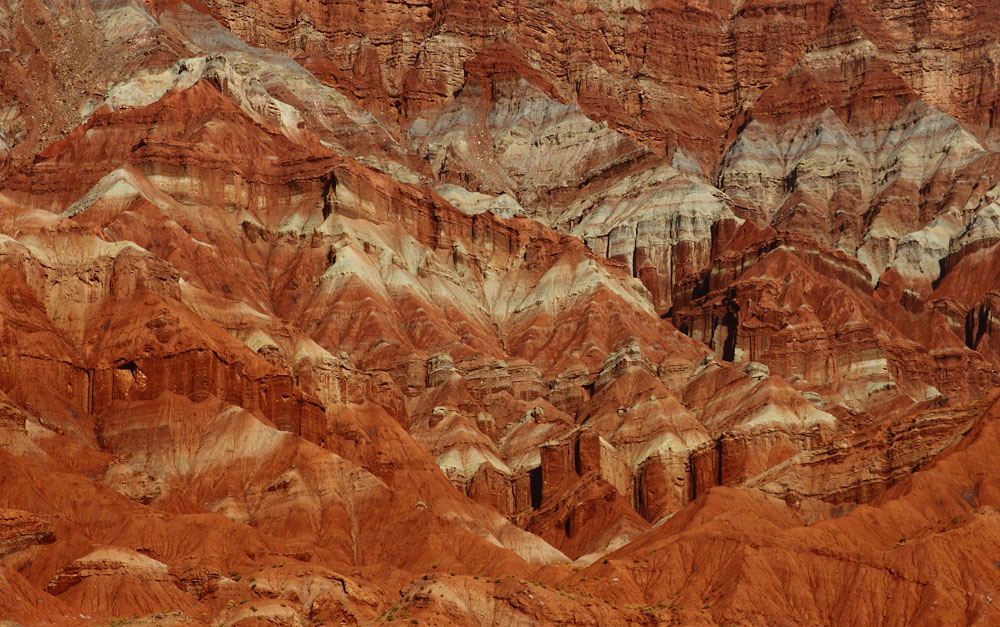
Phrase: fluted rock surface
(610, 312)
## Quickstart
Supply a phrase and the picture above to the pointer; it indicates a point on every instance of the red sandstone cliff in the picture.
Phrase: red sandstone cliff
(531, 313)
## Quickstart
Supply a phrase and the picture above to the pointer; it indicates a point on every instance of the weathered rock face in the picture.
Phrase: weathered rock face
(784, 294)
(534, 313)
(22, 530)
(118, 580)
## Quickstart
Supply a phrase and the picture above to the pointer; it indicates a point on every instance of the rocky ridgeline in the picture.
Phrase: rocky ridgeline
(588, 312)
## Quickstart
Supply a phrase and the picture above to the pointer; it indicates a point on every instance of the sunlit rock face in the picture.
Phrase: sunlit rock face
(592, 312)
